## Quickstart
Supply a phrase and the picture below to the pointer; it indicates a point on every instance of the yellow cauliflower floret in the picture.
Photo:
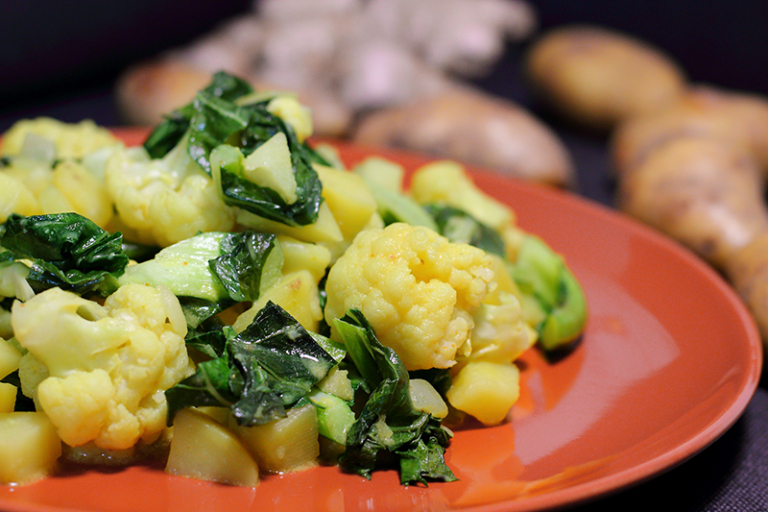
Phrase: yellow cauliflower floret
(100, 372)
(71, 140)
(500, 334)
(164, 201)
(33, 187)
(416, 288)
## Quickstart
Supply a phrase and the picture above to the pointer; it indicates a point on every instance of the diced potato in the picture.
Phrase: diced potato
(6, 330)
(9, 358)
(486, 390)
(36, 175)
(326, 229)
(16, 198)
(29, 447)
(220, 414)
(53, 200)
(348, 197)
(425, 398)
(287, 444)
(297, 293)
(300, 255)
(203, 448)
(270, 166)
(7, 397)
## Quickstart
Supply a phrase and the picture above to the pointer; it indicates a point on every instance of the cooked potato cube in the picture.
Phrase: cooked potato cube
(220, 414)
(296, 293)
(485, 390)
(7, 397)
(202, 448)
(9, 358)
(337, 383)
(298, 255)
(287, 444)
(29, 447)
(447, 182)
(348, 197)
(16, 198)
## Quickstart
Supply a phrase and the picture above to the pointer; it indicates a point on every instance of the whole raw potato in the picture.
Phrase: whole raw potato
(747, 271)
(703, 111)
(598, 77)
(703, 192)
(466, 125)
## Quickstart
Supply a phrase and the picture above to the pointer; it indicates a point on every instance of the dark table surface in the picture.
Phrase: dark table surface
(723, 46)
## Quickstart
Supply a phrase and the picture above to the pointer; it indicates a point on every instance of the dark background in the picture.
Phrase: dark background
(52, 49)
(60, 59)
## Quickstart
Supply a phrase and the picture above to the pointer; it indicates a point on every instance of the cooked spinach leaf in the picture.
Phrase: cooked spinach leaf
(213, 119)
(388, 424)
(243, 266)
(262, 201)
(168, 133)
(280, 361)
(66, 250)
(264, 370)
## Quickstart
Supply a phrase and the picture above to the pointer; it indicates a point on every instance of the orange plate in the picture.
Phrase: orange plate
(669, 360)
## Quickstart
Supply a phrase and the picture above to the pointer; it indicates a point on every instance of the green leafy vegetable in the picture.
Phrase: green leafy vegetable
(264, 370)
(263, 201)
(197, 311)
(245, 266)
(213, 123)
(213, 119)
(460, 227)
(170, 132)
(388, 423)
(67, 250)
(281, 362)
(210, 272)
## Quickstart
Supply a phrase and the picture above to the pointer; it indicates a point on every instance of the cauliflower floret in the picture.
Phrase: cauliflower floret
(100, 372)
(164, 201)
(416, 289)
(35, 182)
(500, 334)
(71, 140)
(68, 187)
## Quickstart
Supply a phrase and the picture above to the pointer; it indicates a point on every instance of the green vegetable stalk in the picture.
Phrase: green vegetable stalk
(541, 273)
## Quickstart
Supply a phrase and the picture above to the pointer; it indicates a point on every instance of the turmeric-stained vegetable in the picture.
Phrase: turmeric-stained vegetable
(203, 448)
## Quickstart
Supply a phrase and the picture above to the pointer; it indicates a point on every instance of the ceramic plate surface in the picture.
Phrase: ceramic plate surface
(669, 360)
